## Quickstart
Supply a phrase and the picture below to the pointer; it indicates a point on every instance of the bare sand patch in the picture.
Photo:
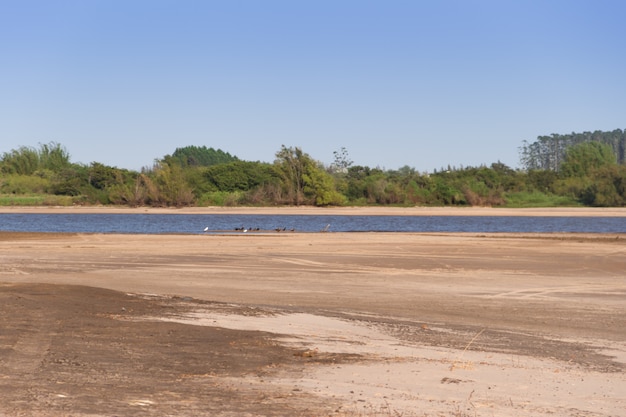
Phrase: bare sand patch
(398, 376)
(313, 324)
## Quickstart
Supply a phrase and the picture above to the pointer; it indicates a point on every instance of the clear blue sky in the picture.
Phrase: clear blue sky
(417, 83)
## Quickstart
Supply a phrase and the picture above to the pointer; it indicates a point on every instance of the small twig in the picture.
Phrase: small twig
(469, 399)
(473, 339)
(467, 347)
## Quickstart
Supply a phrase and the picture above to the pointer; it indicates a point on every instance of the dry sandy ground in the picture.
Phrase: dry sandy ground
(313, 324)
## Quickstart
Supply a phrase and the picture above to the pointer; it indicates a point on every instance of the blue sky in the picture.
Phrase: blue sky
(420, 83)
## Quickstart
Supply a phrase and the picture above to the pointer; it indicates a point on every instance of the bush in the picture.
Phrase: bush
(220, 198)
(35, 200)
(24, 184)
(526, 199)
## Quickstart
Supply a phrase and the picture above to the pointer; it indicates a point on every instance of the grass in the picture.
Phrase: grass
(538, 199)
(10, 200)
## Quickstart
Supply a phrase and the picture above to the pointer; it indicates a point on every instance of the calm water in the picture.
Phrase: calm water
(196, 223)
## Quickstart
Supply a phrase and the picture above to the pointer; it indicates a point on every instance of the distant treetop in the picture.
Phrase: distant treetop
(200, 156)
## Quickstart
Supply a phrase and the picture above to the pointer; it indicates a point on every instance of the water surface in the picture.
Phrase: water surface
(196, 223)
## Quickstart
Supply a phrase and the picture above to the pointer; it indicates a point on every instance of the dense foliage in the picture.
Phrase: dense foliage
(582, 172)
(548, 152)
(199, 156)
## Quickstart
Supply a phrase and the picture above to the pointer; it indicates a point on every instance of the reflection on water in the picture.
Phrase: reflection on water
(236, 223)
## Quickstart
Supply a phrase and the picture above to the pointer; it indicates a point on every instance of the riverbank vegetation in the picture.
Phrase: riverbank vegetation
(587, 169)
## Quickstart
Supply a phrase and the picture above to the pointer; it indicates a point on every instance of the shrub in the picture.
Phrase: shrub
(24, 184)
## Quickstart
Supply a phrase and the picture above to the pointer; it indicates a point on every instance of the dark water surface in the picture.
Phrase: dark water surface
(196, 223)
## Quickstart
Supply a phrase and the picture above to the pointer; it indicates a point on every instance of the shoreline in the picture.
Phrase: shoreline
(332, 211)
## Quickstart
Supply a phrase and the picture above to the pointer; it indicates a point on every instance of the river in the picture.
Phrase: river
(237, 223)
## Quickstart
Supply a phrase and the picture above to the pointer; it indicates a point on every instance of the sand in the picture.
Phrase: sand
(364, 211)
(311, 324)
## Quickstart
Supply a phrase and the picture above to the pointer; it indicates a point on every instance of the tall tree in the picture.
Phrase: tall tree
(548, 152)
(22, 161)
(341, 161)
(293, 162)
(306, 182)
(26, 160)
(581, 160)
(173, 189)
(53, 156)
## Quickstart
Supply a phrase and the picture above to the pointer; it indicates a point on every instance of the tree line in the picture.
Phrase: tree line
(548, 152)
(557, 170)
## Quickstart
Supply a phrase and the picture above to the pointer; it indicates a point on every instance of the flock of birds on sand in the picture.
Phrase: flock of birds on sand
(257, 229)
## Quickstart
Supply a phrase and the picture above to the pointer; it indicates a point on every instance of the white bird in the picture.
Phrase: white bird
(206, 229)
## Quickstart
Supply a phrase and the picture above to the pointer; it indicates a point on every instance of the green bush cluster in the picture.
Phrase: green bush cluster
(588, 174)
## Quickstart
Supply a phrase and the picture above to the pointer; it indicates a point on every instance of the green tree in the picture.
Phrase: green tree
(319, 186)
(173, 190)
(53, 156)
(102, 176)
(541, 180)
(240, 176)
(21, 161)
(26, 160)
(139, 192)
(292, 163)
(358, 182)
(608, 188)
(548, 152)
(199, 156)
(304, 180)
(581, 160)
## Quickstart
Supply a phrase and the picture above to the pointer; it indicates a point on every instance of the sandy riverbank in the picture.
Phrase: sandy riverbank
(340, 324)
(308, 210)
